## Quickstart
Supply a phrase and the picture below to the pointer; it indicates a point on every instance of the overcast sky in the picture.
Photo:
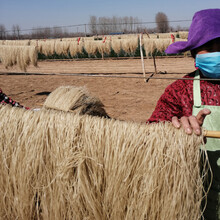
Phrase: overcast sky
(48, 13)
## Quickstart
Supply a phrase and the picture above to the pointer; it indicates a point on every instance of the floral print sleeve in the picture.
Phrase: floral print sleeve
(4, 99)
(177, 99)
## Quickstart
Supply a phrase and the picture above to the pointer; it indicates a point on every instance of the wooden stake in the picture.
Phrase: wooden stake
(142, 57)
(155, 66)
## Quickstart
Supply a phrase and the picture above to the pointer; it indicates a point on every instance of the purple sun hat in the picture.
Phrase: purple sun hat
(205, 27)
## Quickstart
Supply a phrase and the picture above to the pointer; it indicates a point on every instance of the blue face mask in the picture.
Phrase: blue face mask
(209, 64)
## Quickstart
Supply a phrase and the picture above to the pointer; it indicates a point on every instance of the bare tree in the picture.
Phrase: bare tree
(103, 23)
(131, 22)
(16, 31)
(36, 33)
(162, 22)
(179, 28)
(93, 24)
(47, 32)
(107, 25)
(136, 24)
(125, 23)
(57, 32)
(2, 31)
(115, 24)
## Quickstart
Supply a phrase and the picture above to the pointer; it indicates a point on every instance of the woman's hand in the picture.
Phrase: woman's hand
(192, 123)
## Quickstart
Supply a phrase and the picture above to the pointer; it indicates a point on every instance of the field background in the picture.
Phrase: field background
(124, 98)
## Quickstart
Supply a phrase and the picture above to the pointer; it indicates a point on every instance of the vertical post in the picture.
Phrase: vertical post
(155, 66)
(85, 30)
(142, 57)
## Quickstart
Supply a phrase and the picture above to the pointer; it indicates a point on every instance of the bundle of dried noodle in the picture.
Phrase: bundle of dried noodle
(75, 99)
(60, 165)
(22, 56)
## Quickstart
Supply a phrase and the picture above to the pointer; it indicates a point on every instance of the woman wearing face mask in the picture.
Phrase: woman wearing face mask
(195, 103)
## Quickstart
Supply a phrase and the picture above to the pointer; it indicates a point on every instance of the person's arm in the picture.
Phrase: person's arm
(4, 99)
(176, 105)
(170, 104)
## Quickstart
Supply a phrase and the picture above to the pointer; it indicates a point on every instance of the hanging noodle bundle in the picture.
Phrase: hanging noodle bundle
(60, 165)
(149, 46)
(130, 45)
(116, 45)
(90, 47)
(62, 47)
(75, 48)
(104, 47)
(46, 47)
(22, 56)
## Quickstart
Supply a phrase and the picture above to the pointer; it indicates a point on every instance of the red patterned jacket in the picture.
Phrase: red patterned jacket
(177, 99)
(4, 99)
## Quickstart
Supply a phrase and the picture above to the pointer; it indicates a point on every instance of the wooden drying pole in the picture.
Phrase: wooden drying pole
(212, 134)
(155, 66)
(142, 57)
(142, 61)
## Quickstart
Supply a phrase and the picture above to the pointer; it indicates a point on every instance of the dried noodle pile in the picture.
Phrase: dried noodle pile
(62, 165)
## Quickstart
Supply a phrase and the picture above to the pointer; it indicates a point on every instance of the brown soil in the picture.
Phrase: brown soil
(124, 98)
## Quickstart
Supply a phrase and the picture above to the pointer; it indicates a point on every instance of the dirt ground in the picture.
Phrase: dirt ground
(124, 98)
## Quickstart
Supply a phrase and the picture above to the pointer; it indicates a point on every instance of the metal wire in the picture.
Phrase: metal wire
(107, 24)
(107, 76)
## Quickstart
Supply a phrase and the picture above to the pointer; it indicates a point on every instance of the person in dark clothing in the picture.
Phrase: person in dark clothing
(4, 99)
